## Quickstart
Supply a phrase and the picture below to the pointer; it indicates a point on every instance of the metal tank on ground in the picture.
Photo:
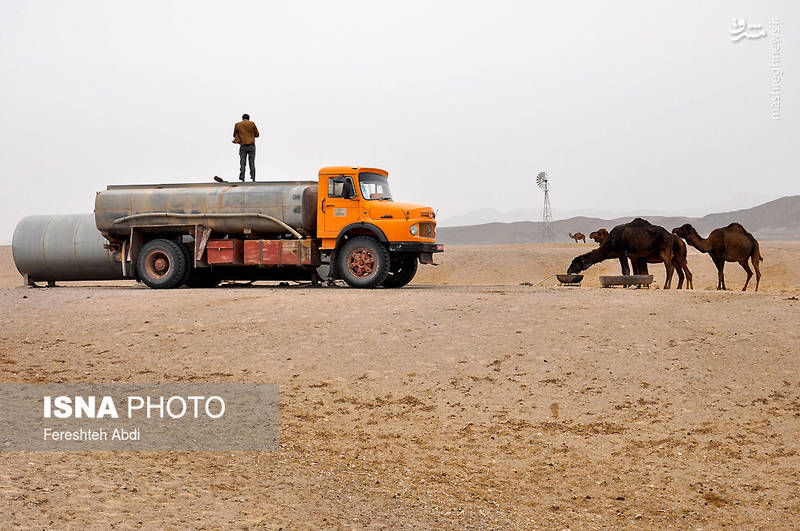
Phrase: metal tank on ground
(62, 247)
(231, 208)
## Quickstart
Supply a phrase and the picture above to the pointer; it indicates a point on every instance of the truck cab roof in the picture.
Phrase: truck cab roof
(336, 170)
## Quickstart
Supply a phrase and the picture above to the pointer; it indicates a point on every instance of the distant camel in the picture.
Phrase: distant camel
(678, 258)
(637, 240)
(726, 244)
(578, 236)
(599, 235)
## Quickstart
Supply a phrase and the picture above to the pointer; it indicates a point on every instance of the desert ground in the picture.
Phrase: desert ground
(465, 400)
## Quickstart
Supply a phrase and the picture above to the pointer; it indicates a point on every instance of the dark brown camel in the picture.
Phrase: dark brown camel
(636, 240)
(578, 236)
(599, 235)
(726, 244)
(678, 258)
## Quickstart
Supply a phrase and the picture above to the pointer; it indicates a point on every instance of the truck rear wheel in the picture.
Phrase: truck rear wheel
(198, 277)
(363, 262)
(401, 272)
(161, 264)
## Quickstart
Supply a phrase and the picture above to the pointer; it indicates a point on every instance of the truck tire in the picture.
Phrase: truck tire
(363, 262)
(198, 277)
(401, 272)
(189, 264)
(161, 264)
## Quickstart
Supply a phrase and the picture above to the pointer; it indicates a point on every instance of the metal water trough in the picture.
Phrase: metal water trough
(569, 280)
(626, 280)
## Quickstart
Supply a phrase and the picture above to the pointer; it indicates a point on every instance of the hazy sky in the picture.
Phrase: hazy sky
(633, 106)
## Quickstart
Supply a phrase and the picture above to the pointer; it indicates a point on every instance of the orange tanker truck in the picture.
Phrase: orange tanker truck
(346, 225)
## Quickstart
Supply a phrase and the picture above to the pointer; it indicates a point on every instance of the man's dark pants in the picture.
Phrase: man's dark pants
(247, 151)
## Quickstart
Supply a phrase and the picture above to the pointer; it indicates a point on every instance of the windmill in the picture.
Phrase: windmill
(547, 214)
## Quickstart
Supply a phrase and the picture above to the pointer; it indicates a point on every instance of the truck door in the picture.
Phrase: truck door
(341, 205)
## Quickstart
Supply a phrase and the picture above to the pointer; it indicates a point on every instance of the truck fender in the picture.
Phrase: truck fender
(359, 227)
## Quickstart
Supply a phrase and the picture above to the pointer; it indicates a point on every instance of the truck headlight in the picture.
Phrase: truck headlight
(414, 229)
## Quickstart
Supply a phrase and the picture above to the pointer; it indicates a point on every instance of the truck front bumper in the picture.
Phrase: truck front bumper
(423, 250)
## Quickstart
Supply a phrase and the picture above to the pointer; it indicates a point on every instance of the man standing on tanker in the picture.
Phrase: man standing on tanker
(245, 134)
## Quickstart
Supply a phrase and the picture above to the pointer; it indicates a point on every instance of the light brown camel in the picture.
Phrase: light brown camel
(726, 244)
(678, 258)
(578, 236)
(636, 240)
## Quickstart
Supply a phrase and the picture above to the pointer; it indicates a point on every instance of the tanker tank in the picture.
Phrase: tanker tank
(231, 208)
(62, 247)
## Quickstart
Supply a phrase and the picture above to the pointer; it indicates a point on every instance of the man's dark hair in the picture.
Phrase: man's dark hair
(245, 116)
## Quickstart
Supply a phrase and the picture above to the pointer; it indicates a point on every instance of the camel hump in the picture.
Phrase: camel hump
(737, 227)
(639, 222)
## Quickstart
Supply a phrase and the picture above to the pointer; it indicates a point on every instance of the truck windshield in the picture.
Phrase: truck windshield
(374, 186)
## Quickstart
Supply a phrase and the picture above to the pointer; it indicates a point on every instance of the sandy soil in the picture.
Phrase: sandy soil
(464, 401)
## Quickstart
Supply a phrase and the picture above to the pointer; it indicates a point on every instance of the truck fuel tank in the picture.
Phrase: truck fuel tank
(233, 208)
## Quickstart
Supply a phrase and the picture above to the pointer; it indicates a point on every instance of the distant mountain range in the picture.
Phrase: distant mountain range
(495, 215)
(775, 220)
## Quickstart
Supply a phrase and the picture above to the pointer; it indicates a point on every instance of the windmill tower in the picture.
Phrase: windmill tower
(547, 214)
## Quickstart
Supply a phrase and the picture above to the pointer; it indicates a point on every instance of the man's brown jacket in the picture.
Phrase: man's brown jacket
(245, 132)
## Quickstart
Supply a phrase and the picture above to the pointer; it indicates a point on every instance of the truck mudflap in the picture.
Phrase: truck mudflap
(427, 259)
(423, 250)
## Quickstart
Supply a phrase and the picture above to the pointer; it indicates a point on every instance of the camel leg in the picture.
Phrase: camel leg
(623, 263)
(689, 283)
(720, 263)
(670, 270)
(747, 270)
(757, 267)
(639, 266)
(679, 271)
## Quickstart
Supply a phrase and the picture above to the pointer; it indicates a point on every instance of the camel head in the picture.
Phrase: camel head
(599, 235)
(578, 264)
(684, 231)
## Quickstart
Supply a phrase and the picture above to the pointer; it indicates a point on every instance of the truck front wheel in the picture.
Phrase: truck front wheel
(401, 272)
(363, 262)
(161, 264)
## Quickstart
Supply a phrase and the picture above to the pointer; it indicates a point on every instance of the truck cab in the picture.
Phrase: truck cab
(370, 239)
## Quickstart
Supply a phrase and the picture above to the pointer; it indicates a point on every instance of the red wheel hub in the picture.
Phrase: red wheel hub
(361, 262)
(157, 264)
